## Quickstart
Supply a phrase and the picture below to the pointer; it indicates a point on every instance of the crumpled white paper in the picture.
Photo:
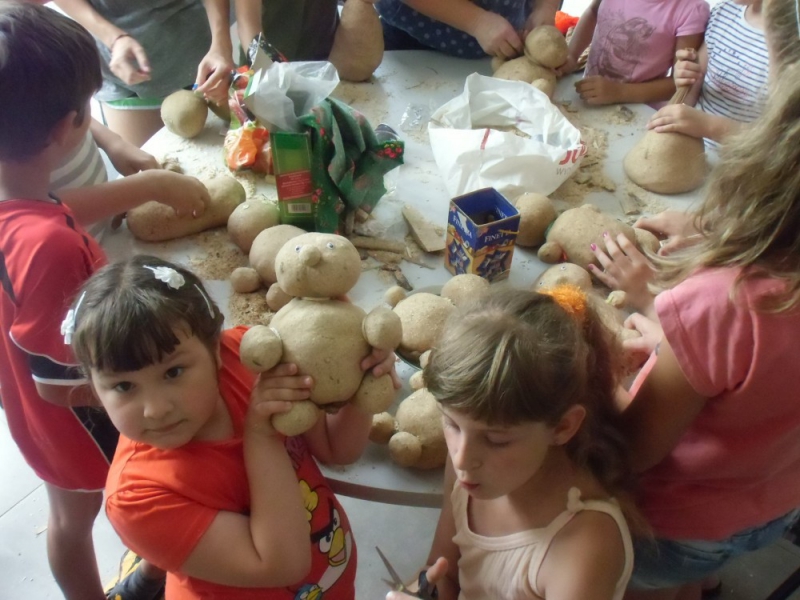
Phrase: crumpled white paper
(472, 155)
(278, 95)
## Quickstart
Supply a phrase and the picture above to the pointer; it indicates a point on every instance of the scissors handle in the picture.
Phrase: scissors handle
(426, 590)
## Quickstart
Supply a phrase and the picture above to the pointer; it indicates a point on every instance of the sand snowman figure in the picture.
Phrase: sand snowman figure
(325, 336)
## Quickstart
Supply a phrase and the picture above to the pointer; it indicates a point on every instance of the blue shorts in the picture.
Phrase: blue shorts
(662, 564)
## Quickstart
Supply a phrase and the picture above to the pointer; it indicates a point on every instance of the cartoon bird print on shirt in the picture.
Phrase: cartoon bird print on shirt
(328, 538)
(622, 48)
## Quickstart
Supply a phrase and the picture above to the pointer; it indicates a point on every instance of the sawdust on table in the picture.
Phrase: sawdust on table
(220, 256)
(369, 98)
(650, 203)
(590, 175)
(249, 309)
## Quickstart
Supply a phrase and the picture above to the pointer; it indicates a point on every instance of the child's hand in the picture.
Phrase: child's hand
(676, 227)
(185, 194)
(214, 75)
(274, 392)
(626, 269)
(383, 362)
(129, 159)
(129, 61)
(570, 66)
(651, 334)
(598, 90)
(497, 36)
(679, 118)
(435, 575)
(687, 70)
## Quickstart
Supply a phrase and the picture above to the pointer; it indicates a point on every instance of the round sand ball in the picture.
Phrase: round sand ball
(265, 248)
(546, 46)
(417, 381)
(518, 69)
(245, 280)
(249, 219)
(536, 212)
(299, 420)
(394, 295)
(260, 349)
(184, 114)
(497, 62)
(424, 358)
(423, 316)
(463, 288)
(617, 299)
(277, 298)
(405, 449)
(564, 273)
(548, 86)
(647, 240)
(382, 428)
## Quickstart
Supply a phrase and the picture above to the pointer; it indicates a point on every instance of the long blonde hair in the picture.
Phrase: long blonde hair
(751, 216)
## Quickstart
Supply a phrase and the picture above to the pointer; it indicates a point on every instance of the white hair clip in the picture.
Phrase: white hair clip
(68, 324)
(168, 275)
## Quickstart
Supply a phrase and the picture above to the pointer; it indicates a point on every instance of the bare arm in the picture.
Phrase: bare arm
(661, 411)
(270, 547)
(248, 20)
(443, 545)
(494, 33)
(581, 38)
(86, 15)
(126, 158)
(92, 204)
(340, 439)
(598, 90)
(213, 72)
(586, 559)
(128, 61)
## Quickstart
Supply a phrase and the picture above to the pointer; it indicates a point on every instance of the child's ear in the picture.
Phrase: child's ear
(63, 131)
(568, 425)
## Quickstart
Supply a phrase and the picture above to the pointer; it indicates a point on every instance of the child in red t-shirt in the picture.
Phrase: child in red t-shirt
(201, 484)
(45, 255)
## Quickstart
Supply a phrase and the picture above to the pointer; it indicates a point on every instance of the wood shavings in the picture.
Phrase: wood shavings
(399, 277)
(374, 243)
(249, 309)
(649, 202)
(220, 257)
(171, 163)
(590, 176)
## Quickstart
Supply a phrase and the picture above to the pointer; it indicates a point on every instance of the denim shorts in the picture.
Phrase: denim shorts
(661, 563)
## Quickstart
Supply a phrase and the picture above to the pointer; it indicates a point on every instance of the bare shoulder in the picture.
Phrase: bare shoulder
(586, 559)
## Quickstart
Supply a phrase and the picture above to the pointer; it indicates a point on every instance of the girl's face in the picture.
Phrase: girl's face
(166, 404)
(494, 461)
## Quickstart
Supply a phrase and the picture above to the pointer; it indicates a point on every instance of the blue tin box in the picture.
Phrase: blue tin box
(482, 229)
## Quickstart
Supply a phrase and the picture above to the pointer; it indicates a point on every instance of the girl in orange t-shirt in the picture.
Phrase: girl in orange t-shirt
(201, 484)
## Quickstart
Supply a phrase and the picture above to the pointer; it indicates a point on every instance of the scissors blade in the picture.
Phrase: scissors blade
(390, 568)
(392, 585)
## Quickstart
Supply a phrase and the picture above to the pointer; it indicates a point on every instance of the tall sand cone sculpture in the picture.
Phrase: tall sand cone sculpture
(667, 163)
(358, 44)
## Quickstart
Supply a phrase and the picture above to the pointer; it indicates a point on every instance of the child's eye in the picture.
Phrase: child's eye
(173, 372)
(497, 443)
(122, 387)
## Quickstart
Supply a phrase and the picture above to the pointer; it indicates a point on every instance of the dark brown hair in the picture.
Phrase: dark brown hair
(126, 318)
(518, 356)
(49, 66)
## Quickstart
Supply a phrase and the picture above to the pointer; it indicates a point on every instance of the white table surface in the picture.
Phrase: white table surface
(406, 89)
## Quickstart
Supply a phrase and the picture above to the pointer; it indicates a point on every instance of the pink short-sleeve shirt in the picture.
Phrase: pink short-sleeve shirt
(738, 464)
(634, 40)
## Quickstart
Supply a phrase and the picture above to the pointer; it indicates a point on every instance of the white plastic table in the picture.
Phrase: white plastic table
(405, 90)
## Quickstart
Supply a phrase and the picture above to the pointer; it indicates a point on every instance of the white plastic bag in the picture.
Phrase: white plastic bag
(278, 95)
(541, 150)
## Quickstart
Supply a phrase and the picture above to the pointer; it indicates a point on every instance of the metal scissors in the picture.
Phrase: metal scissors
(426, 590)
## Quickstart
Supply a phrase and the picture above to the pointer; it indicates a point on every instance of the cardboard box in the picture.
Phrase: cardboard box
(291, 159)
(482, 229)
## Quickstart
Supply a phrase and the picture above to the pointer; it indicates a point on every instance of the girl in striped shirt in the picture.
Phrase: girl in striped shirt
(728, 76)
